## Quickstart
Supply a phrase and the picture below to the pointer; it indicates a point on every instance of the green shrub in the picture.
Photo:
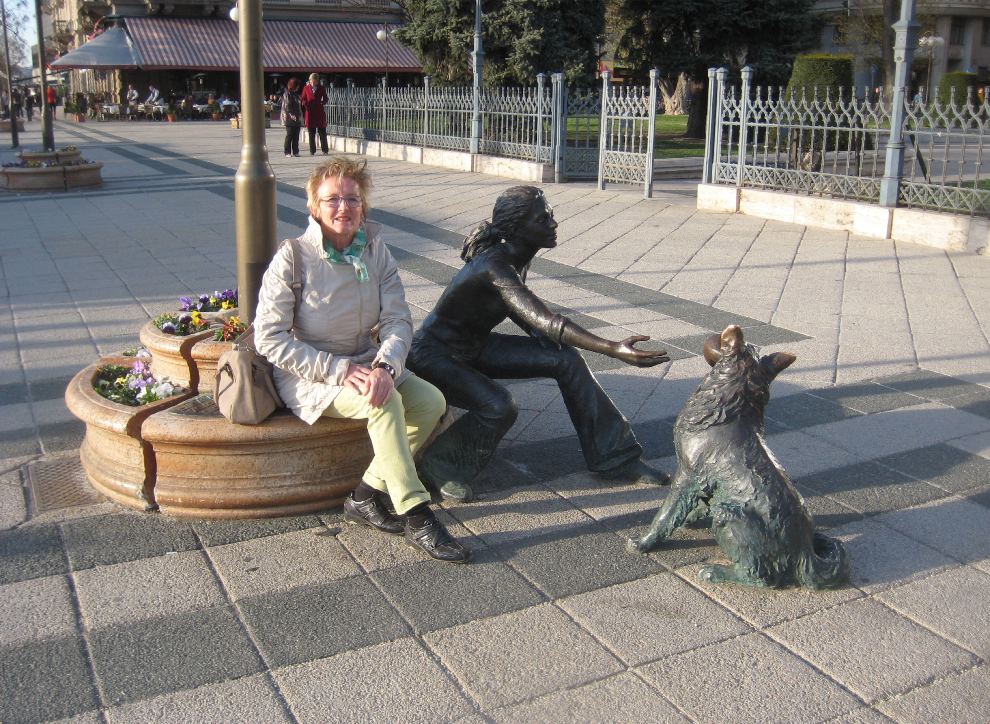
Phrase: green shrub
(824, 71)
(955, 85)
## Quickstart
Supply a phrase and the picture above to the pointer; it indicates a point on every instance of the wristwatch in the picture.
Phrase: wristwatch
(385, 366)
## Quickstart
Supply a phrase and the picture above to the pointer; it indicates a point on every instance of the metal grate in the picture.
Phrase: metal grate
(59, 484)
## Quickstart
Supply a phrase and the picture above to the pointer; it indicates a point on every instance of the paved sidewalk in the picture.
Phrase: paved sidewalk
(883, 422)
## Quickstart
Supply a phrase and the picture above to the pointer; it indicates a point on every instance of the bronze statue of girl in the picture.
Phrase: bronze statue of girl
(456, 350)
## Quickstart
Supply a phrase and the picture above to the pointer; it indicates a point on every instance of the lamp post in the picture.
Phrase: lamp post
(478, 57)
(383, 36)
(14, 141)
(930, 43)
(254, 182)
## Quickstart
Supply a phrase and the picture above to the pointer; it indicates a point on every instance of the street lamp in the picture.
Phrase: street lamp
(383, 35)
(930, 43)
(478, 59)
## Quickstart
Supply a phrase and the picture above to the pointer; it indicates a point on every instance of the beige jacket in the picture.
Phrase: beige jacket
(334, 325)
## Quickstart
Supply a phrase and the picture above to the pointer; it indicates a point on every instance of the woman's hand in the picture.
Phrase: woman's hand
(376, 385)
(627, 352)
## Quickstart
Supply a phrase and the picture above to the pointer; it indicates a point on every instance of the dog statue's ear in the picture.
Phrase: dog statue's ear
(713, 351)
(777, 362)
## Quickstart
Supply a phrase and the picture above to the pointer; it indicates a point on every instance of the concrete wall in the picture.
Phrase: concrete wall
(952, 232)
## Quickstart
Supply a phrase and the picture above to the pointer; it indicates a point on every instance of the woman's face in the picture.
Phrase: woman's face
(339, 210)
(539, 228)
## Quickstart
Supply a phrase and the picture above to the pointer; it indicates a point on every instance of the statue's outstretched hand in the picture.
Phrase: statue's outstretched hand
(627, 352)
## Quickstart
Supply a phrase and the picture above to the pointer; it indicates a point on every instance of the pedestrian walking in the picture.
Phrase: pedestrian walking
(292, 117)
(314, 98)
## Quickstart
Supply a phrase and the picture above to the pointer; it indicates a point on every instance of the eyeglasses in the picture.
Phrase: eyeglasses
(334, 201)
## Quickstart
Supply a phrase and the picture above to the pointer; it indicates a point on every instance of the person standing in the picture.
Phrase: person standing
(52, 99)
(292, 117)
(130, 102)
(29, 104)
(153, 95)
(314, 98)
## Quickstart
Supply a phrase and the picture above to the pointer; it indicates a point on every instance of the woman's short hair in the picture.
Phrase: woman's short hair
(340, 167)
(293, 84)
(314, 77)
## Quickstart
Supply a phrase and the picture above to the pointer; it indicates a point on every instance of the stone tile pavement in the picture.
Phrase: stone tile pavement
(883, 422)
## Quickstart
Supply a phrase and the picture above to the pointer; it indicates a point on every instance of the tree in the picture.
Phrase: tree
(690, 36)
(521, 38)
(16, 34)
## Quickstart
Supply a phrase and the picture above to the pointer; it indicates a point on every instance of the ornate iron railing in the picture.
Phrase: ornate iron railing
(835, 145)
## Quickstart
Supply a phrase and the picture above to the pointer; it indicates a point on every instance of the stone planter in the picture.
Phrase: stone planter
(41, 178)
(118, 463)
(56, 156)
(5, 126)
(171, 355)
(207, 467)
(85, 174)
(205, 354)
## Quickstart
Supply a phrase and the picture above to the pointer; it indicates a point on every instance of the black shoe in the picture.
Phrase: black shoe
(434, 540)
(634, 471)
(371, 513)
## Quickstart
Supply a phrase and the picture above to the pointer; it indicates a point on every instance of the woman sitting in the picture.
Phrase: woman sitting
(328, 362)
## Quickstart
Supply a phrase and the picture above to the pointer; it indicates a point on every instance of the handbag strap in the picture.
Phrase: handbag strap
(296, 276)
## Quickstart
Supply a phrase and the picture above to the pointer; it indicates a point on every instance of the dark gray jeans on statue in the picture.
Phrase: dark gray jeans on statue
(462, 450)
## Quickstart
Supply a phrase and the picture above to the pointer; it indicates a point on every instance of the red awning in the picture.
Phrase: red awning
(295, 46)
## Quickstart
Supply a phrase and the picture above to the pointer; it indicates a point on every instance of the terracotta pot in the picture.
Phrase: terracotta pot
(207, 467)
(118, 463)
(171, 355)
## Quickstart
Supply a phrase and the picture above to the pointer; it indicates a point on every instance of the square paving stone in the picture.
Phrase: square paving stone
(871, 488)
(943, 465)
(62, 435)
(755, 679)
(871, 650)
(31, 552)
(577, 563)
(158, 656)
(19, 443)
(516, 656)
(976, 402)
(881, 558)
(927, 384)
(952, 603)
(398, 681)
(691, 544)
(762, 607)
(149, 588)
(959, 697)
(432, 596)
(980, 496)
(45, 680)
(318, 621)
(108, 539)
(615, 505)
(624, 697)
(531, 513)
(825, 512)
(281, 562)
(867, 397)
(375, 551)
(652, 618)
(252, 698)
(39, 608)
(954, 526)
(220, 532)
(804, 410)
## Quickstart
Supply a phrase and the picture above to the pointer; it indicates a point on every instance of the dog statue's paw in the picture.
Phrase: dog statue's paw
(636, 545)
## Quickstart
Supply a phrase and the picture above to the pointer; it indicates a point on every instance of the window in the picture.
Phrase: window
(958, 32)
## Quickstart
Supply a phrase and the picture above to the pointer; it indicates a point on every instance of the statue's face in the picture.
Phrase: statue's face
(539, 227)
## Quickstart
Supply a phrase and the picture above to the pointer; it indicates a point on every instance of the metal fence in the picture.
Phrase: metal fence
(835, 145)
(546, 124)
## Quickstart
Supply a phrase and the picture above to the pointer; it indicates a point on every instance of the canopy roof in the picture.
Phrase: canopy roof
(293, 46)
(111, 49)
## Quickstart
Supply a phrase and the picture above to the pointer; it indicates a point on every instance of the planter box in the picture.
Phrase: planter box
(205, 354)
(85, 174)
(34, 179)
(207, 467)
(118, 463)
(171, 355)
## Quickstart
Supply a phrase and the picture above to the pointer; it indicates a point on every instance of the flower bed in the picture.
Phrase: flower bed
(61, 156)
(117, 461)
(171, 354)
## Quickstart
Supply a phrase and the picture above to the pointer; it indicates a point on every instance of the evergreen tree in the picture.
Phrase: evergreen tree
(521, 38)
(690, 36)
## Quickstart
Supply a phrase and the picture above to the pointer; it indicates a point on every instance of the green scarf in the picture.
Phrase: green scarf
(351, 255)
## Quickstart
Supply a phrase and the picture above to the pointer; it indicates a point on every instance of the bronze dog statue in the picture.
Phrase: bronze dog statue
(724, 468)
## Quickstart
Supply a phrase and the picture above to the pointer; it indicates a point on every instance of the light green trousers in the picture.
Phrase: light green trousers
(397, 430)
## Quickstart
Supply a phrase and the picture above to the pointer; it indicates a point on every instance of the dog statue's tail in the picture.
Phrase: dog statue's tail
(827, 566)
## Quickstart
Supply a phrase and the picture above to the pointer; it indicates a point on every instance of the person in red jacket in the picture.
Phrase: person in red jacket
(314, 98)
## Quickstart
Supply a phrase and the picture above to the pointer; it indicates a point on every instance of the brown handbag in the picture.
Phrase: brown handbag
(244, 388)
